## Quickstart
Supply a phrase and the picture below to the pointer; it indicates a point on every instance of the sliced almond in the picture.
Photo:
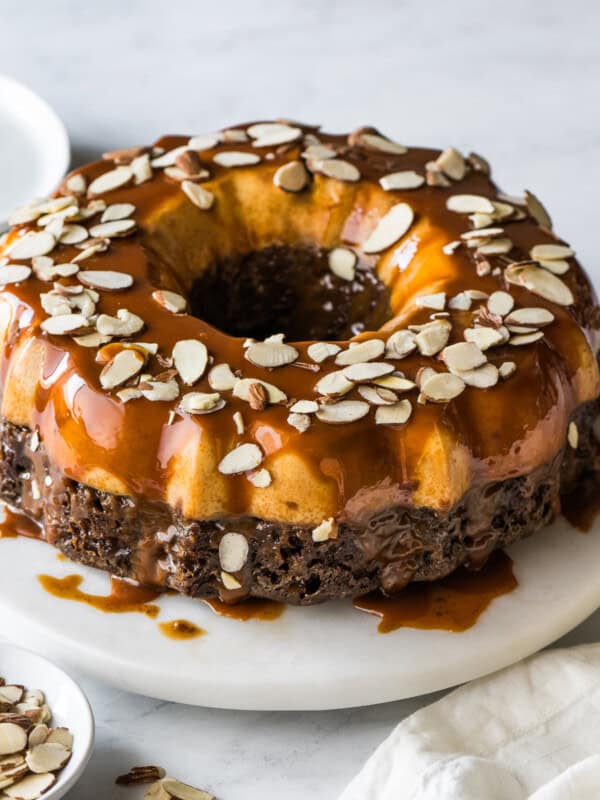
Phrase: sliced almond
(38, 735)
(375, 141)
(221, 378)
(113, 179)
(261, 478)
(378, 395)
(141, 169)
(124, 324)
(107, 280)
(483, 377)
(460, 302)
(181, 791)
(115, 229)
(469, 204)
(537, 210)
(76, 184)
(231, 583)
(318, 152)
(336, 168)
(31, 787)
(13, 738)
(324, 531)
(319, 351)
(199, 196)
(160, 391)
(291, 177)
(201, 402)
(47, 757)
(395, 382)
(65, 324)
(442, 387)
(435, 301)
(433, 337)
(390, 228)
(368, 350)
(546, 285)
(500, 303)
(495, 247)
(242, 389)
(452, 164)
(233, 552)
(119, 370)
(14, 273)
(190, 359)
(334, 384)
(342, 262)
(550, 252)
(242, 458)
(299, 421)
(557, 266)
(236, 158)
(367, 371)
(573, 435)
(401, 181)
(32, 245)
(271, 134)
(484, 337)
(396, 414)
(172, 301)
(400, 344)
(117, 211)
(462, 356)
(525, 338)
(94, 339)
(304, 407)
(271, 354)
(506, 369)
(343, 412)
(534, 317)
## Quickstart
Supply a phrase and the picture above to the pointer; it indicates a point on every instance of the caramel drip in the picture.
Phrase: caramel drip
(452, 604)
(17, 524)
(180, 629)
(124, 597)
(264, 610)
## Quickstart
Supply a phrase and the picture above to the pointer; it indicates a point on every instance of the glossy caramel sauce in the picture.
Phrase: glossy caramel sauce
(13, 523)
(452, 604)
(180, 629)
(581, 507)
(264, 610)
(124, 597)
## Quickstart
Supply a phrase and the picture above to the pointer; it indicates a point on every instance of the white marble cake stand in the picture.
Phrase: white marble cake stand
(328, 656)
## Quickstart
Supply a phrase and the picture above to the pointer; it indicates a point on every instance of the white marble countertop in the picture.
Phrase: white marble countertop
(515, 81)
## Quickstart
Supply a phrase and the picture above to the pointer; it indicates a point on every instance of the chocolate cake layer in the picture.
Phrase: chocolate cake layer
(153, 544)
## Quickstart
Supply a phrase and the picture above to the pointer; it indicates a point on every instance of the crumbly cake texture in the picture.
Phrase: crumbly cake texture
(280, 363)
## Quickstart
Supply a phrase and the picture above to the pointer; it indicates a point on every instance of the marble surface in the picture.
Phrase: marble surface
(516, 81)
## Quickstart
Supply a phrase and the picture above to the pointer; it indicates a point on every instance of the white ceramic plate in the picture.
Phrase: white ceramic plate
(328, 656)
(34, 147)
(69, 706)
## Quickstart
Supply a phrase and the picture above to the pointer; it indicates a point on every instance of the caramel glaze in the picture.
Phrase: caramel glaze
(453, 604)
(124, 597)
(265, 610)
(15, 523)
(131, 449)
(180, 629)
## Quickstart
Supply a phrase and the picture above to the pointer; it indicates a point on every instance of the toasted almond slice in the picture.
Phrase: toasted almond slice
(551, 252)
(271, 354)
(14, 273)
(546, 285)
(141, 169)
(242, 389)
(482, 233)
(390, 228)
(433, 337)
(160, 391)
(181, 791)
(77, 184)
(201, 402)
(73, 234)
(47, 757)
(556, 266)
(482, 377)
(236, 158)
(31, 787)
(65, 324)
(170, 300)
(113, 179)
(94, 339)
(291, 177)
(274, 134)
(261, 478)
(367, 371)
(124, 324)
(495, 247)
(32, 245)
(238, 421)
(534, 317)
(233, 551)
(573, 435)
(537, 210)
(462, 356)
(396, 414)
(319, 351)
(395, 382)
(190, 359)
(21, 216)
(114, 229)
(469, 204)
(460, 302)
(375, 141)
(199, 196)
(129, 393)
(484, 337)
(221, 378)
(168, 159)
(400, 344)
(525, 338)
(452, 164)
(203, 142)
(107, 280)
(242, 458)
(500, 303)
(119, 370)
(435, 301)
(231, 583)
(299, 421)
(378, 395)
(343, 412)
(124, 155)
(318, 152)
(336, 168)
(506, 369)
(342, 262)
(38, 734)
(13, 738)
(442, 387)
(401, 181)
(324, 531)
(451, 247)
(117, 211)
(334, 384)
(367, 350)
(304, 407)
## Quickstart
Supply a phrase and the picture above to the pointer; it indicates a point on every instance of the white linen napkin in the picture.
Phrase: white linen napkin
(529, 731)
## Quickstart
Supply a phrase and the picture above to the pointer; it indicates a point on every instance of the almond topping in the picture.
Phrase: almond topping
(242, 458)
(31, 787)
(336, 168)
(221, 378)
(242, 390)
(65, 324)
(199, 196)
(190, 359)
(462, 356)
(270, 354)
(120, 369)
(32, 244)
(442, 387)
(334, 384)
(546, 285)
(573, 435)
(469, 204)
(236, 158)
(117, 211)
(113, 179)
(201, 402)
(343, 412)
(396, 414)
(170, 300)
(261, 478)
(114, 229)
(342, 262)
(107, 280)
(500, 303)
(360, 351)
(408, 179)
(324, 531)
(367, 371)
(233, 552)
(319, 351)
(550, 252)
(124, 324)
(299, 421)
(390, 228)
(14, 273)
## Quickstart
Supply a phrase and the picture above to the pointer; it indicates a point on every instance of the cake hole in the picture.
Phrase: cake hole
(291, 291)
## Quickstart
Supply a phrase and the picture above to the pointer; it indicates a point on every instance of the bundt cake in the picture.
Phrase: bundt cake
(273, 362)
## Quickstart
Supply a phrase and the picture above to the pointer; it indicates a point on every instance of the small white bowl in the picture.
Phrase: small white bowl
(34, 146)
(69, 705)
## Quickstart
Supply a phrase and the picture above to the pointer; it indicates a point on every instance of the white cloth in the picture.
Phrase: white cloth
(529, 731)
